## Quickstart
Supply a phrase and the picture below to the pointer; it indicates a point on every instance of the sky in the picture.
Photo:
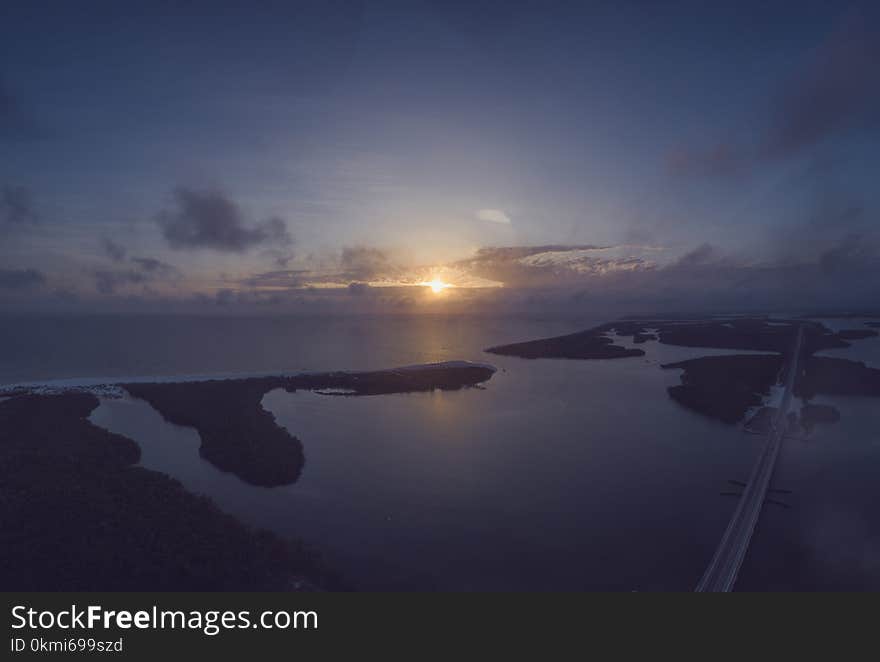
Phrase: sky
(324, 156)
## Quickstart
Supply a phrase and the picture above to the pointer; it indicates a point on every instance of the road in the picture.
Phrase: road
(722, 572)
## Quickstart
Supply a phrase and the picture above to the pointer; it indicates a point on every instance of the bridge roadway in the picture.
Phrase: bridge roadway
(722, 572)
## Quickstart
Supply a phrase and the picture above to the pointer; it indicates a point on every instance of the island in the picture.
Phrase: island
(736, 333)
(589, 344)
(241, 437)
(725, 388)
(79, 515)
(830, 376)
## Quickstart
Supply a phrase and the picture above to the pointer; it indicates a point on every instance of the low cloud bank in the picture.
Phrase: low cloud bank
(211, 220)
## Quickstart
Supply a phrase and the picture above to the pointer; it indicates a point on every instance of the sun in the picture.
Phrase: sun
(437, 286)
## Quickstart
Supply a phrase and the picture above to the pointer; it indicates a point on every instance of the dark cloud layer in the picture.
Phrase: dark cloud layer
(139, 270)
(19, 279)
(145, 270)
(156, 267)
(702, 255)
(363, 263)
(107, 282)
(17, 205)
(852, 252)
(280, 257)
(282, 278)
(209, 219)
(113, 250)
(837, 89)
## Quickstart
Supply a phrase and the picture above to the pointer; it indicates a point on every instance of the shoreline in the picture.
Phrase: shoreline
(67, 384)
(74, 486)
(80, 514)
(725, 388)
(240, 437)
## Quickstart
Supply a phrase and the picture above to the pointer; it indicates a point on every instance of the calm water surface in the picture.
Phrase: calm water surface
(557, 475)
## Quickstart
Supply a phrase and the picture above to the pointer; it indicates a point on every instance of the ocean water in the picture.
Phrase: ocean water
(557, 475)
(866, 350)
(56, 347)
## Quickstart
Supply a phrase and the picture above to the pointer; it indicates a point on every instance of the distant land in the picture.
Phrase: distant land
(589, 344)
(79, 514)
(241, 437)
(723, 387)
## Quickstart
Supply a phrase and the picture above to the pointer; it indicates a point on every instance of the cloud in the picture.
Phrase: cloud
(208, 219)
(146, 270)
(357, 268)
(18, 279)
(836, 90)
(363, 263)
(587, 260)
(503, 253)
(493, 216)
(551, 278)
(281, 258)
(156, 267)
(114, 251)
(702, 255)
(279, 279)
(107, 282)
(17, 205)
(357, 265)
(853, 251)
(553, 264)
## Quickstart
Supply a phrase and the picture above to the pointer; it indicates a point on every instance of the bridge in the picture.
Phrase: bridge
(722, 572)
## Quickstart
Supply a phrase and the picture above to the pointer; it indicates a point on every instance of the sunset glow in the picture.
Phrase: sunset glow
(437, 286)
